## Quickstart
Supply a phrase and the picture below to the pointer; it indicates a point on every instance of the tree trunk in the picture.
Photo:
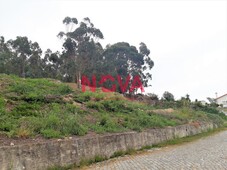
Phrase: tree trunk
(23, 67)
(78, 79)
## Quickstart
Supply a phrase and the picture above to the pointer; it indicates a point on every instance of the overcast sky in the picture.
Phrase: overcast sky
(187, 39)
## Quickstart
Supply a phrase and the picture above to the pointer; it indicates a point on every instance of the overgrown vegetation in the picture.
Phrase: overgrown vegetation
(46, 107)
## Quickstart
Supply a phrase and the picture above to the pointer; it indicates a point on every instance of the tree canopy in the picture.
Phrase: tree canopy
(82, 54)
(125, 60)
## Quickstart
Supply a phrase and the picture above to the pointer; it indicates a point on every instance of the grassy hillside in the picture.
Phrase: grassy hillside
(30, 107)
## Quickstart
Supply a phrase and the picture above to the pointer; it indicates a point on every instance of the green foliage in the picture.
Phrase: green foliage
(2, 105)
(168, 96)
(26, 109)
(51, 133)
(121, 54)
(83, 97)
(116, 106)
(95, 105)
(216, 119)
(81, 52)
(82, 55)
(62, 90)
(30, 107)
(86, 162)
(118, 153)
(38, 87)
(106, 124)
(7, 124)
(212, 110)
(88, 95)
(129, 151)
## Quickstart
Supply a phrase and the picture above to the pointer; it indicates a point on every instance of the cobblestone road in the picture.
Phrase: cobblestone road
(208, 153)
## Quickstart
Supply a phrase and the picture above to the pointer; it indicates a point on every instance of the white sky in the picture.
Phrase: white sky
(187, 39)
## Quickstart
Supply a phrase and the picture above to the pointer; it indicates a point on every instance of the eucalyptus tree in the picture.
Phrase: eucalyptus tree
(34, 62)
(5, 56)
(122, 59)
(80, 47)
(26, 54)
(52, 63)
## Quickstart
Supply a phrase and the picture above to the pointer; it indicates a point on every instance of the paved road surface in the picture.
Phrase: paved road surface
(208, 153)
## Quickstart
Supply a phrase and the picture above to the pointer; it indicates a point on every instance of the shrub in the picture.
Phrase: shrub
(168, 96)
(63, 89)
(7, 124)
(52, 121)
(71, 126)
(26, 109)
(83, 97)
(21, 88)
(95, 105)
(51, 133)
(2, 105)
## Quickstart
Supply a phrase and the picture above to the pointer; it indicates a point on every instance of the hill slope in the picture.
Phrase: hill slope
(31, 107)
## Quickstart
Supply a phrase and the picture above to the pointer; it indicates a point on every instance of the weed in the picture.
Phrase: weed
(36, 106)
(51, 133)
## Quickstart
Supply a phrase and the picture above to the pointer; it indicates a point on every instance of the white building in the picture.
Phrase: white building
(222, 100)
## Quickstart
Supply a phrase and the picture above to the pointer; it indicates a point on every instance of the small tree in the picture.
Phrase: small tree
(168, 96)
(188, 98)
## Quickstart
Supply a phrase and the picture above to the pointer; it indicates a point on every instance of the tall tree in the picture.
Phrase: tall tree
(34, 63)
(5, 56)
(79, 47)
(52, 63)
(123, 59)
(21, 46)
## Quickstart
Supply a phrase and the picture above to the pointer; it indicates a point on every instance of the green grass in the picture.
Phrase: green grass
(30, 107)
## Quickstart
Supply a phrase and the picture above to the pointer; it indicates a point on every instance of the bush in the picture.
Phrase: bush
(216, 119)
(95, 105)
(21, 88)
(7, 124)
(63, 89)
(2, 105)
(72, 127)
(83, 97)
(168, 96)
(87, 96)
(51, 133)
(26, 109)
(117, 106)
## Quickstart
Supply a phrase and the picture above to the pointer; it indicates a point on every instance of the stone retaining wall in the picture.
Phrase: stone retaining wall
(40, 156)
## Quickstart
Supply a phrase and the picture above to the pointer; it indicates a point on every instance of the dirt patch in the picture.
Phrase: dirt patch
(163, 111)
(72, 85)
(91, 119)
(9, 106)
